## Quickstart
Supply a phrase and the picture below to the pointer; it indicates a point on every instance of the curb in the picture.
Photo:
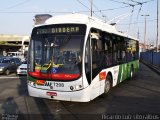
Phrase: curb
(151, 66)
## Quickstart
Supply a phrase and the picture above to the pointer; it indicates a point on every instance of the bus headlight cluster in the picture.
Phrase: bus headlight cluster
(31, 83)
(76, 87)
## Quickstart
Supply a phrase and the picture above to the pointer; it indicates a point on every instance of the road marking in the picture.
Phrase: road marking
(58, 110)
(70, 105)
(11, 77)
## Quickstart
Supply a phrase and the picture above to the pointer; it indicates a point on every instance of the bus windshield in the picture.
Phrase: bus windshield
(56, 51)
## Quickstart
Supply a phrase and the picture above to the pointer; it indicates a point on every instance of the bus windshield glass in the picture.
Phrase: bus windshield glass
(56, 51)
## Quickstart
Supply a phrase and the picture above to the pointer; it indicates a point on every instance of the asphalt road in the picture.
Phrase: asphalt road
(133, 97)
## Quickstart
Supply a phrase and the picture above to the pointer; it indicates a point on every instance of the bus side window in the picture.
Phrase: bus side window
(98, 52)
(108, 50)
(119, 50)
(97, 57)
(122, 49)
(132, 50)
(114, 52)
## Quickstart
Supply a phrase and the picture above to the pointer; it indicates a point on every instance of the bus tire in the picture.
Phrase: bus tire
(131, 73)
(107, 87)
(7, 72)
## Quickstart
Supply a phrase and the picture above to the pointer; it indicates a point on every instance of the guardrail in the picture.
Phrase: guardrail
(151, 58)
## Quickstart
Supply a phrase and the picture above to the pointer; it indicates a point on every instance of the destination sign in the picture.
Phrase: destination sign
(58, 30)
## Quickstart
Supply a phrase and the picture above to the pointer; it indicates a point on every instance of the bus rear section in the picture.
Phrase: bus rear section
(55, 62)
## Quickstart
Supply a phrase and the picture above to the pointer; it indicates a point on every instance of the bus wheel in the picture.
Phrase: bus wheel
(107, 85)
(131, 73)
(7, 72)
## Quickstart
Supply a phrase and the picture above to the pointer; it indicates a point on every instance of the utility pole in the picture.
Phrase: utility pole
(145, 29)
(157, 26)
(91, 8)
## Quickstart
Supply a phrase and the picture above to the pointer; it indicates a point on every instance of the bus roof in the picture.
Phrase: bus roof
(84, 19)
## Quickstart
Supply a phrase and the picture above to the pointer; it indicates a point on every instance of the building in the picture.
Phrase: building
(19, 43)
(13, 43)
(142, 47)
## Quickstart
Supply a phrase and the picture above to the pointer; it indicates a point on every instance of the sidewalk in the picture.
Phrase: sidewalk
(153, 67)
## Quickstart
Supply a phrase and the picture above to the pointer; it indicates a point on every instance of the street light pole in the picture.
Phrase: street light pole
(145, 29)
(157, 26)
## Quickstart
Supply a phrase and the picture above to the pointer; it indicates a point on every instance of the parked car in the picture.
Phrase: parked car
(22, 69)
(9, 64)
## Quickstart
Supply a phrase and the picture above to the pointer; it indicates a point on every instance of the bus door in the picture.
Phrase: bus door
(93, 61)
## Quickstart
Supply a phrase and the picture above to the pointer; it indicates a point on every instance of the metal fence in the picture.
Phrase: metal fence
(151, 57)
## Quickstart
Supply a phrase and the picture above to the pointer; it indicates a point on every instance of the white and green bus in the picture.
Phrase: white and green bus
(76, 57)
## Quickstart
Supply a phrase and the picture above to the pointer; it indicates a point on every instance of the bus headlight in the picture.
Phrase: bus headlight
(34, 84)
(76, 87)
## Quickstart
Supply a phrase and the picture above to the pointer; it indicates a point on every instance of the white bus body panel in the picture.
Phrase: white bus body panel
(78, 96)
(95, 89)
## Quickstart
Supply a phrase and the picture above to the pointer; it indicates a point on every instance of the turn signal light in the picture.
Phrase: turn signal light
(40, 82)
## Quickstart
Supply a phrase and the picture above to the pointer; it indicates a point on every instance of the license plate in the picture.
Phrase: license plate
(54, 84)
(51, 93)
(23, 72)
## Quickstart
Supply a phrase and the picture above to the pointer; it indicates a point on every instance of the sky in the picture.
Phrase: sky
(17, 15)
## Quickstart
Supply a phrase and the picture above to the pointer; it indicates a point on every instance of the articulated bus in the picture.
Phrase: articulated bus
(75, 57)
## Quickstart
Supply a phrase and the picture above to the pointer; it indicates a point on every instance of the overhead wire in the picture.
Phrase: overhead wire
(137, 18)
(130, 20)
(133, 5)
(16, 5)
(132, 11)
(121, 2)
(30, 12)
(141, 4)
(135, 1)
(88, 8)
(138, 3)
(83, 5)
(139, 22)
(115, 8)
(110, 9)
(98, 10)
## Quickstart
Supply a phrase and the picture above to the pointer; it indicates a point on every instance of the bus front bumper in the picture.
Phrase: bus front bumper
(77, 96)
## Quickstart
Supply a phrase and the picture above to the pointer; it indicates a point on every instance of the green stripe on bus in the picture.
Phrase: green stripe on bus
(124, 70)
(31, 79)
(119, 74)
